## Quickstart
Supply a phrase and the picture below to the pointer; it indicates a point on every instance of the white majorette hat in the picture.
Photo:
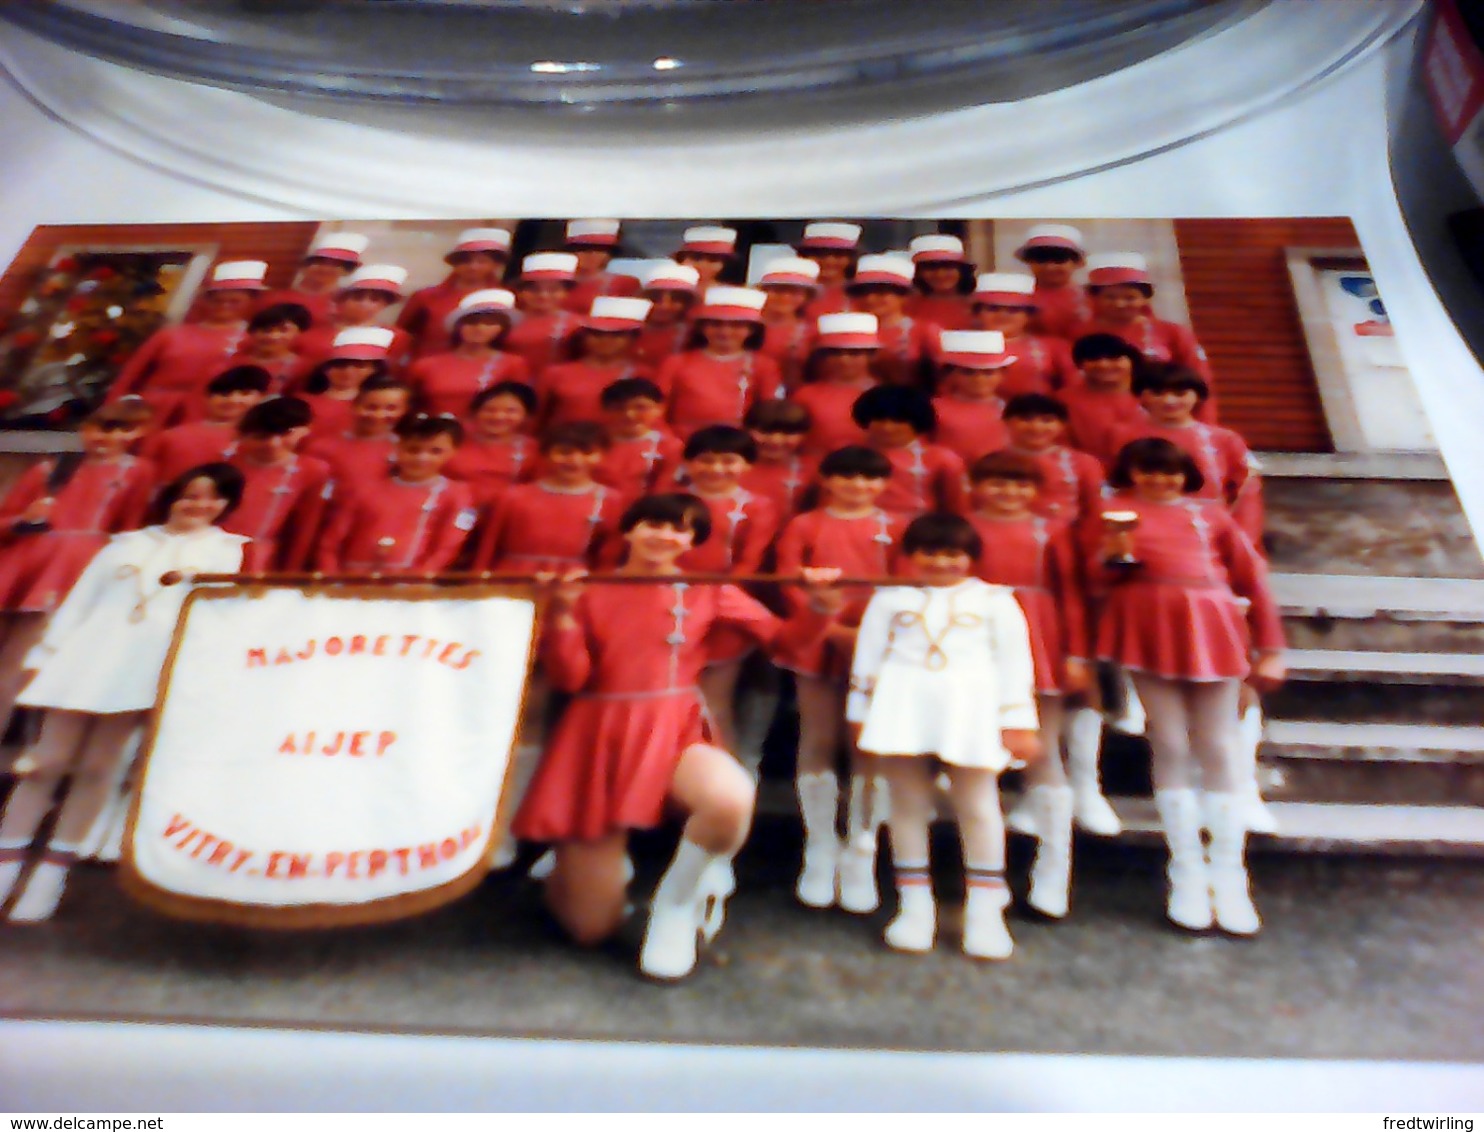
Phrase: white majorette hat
(558, 266)
(1062, 236)
(592, 233)
(362, 344)
(883, 271)
(790, 271)
(495, 241)
(614, 314)
(343, 247)
(1005, 289)
(671, 276)
(732, 304)
(825, 236)
(708, 240)
(493, 300)
(376, 277)
(239, 275)
(973, 349)
(1112, 268)
(937, 249)
(847, 332)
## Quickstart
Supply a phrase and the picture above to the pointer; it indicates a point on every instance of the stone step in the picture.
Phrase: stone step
(1458, 601)
(1373, 763)
(1363, 698)
(1431, 668)
(1381, 634)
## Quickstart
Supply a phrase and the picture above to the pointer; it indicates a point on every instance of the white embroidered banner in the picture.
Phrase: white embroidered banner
(322, 758)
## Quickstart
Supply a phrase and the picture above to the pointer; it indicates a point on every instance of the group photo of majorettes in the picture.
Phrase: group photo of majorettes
(997, 507)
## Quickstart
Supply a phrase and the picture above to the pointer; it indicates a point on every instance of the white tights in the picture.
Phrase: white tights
(1191, 724)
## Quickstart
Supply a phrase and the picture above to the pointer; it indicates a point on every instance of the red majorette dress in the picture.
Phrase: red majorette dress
(171, 369)
(946, 312)
(1041, 365)
(703, 390)
(1161, 341)
(1229, 468)
(639, 465)
(542, 340)
(633, 659)
(742, 529)
(286, 375)
(1060, 311)
(535, 526)
(906, 344)
(356, 459)
(658, 343)
(319, 304)
(1095, 416)
(924, 477)
(398, 527)
(830, 423)
(490, 468)
(101, 499)
(599, 284)
(832, 299)
(782, 484)
(788, 344)
(179, 449)
(424, 315)
(447, 383)
(1037, 558)
(863, 547)
(282, 509)
(970, 428)
(573, 391)
(1071, 484)
(332, 416)
(1178, 615)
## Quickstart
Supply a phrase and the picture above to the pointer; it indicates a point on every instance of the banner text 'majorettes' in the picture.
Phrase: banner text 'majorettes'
(405, 646)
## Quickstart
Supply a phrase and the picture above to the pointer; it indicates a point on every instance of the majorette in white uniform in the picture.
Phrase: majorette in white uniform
(942, 670)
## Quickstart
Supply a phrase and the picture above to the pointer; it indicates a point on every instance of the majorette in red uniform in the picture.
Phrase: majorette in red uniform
(476, 262)
(1004, 301)
(881, 286)
(272, 335)
(707, 250)
(284, 495)
(573, 391)
(835, 247)
(944, 280)
(1175, 623)
(402, 525)
(838, 372)
(643, 455)
(969, 413)
(788, 336)
(595, 243)
(542, 333)
(228, 396)
(1104, 400)
(366, 293)
(925, 476)
(550, 525)
(782, 473)
(1120, 288)
(357, 354)
(365, 452)
(329, 260)
(497, 453)
(718, 383)
(478, 327)
(174, 364)
(1054, 252)
(1071, 486)
(671, 290)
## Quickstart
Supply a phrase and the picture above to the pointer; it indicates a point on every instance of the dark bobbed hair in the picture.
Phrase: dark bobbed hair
(855, 460)
(821, 354)
(1006, 465)
(319, 382)
(1050, 255)
(275, 417)
(1163, 378)
(696, 339)
(227, 480)
(585, 436)
(1024, 405)
(939, 531)
(1093, 347)
(1154, 454)
(425, 426)
(502, 318)
(674, 509)
(280, 313)
(240, 379)
(721, 439)
(778, 416)
(618, 393)
(895, 403)
(967, 276)
(384, 384)
(517, 389)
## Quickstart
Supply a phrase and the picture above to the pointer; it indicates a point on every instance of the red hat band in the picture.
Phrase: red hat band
(1113, 276)
(1004, 299)
(723, 313)
(978, 361)
(706, 247)
(827, 244)
(847, 342)
(358, 353)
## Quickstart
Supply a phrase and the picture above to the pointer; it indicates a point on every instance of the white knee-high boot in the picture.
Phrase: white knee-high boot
(1189, 903)
(916, 921)
(1051, 875)
(867, 811)
(986, 935)
(1259, 816)
(1230, 890)
(1084, 748)
(819, 804)
(678, 912)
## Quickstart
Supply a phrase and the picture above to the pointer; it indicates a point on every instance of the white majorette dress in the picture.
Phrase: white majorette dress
(941, 670)
(105, 647)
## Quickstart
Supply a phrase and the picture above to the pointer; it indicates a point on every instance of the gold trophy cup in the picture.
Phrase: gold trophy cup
(1120, 526)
